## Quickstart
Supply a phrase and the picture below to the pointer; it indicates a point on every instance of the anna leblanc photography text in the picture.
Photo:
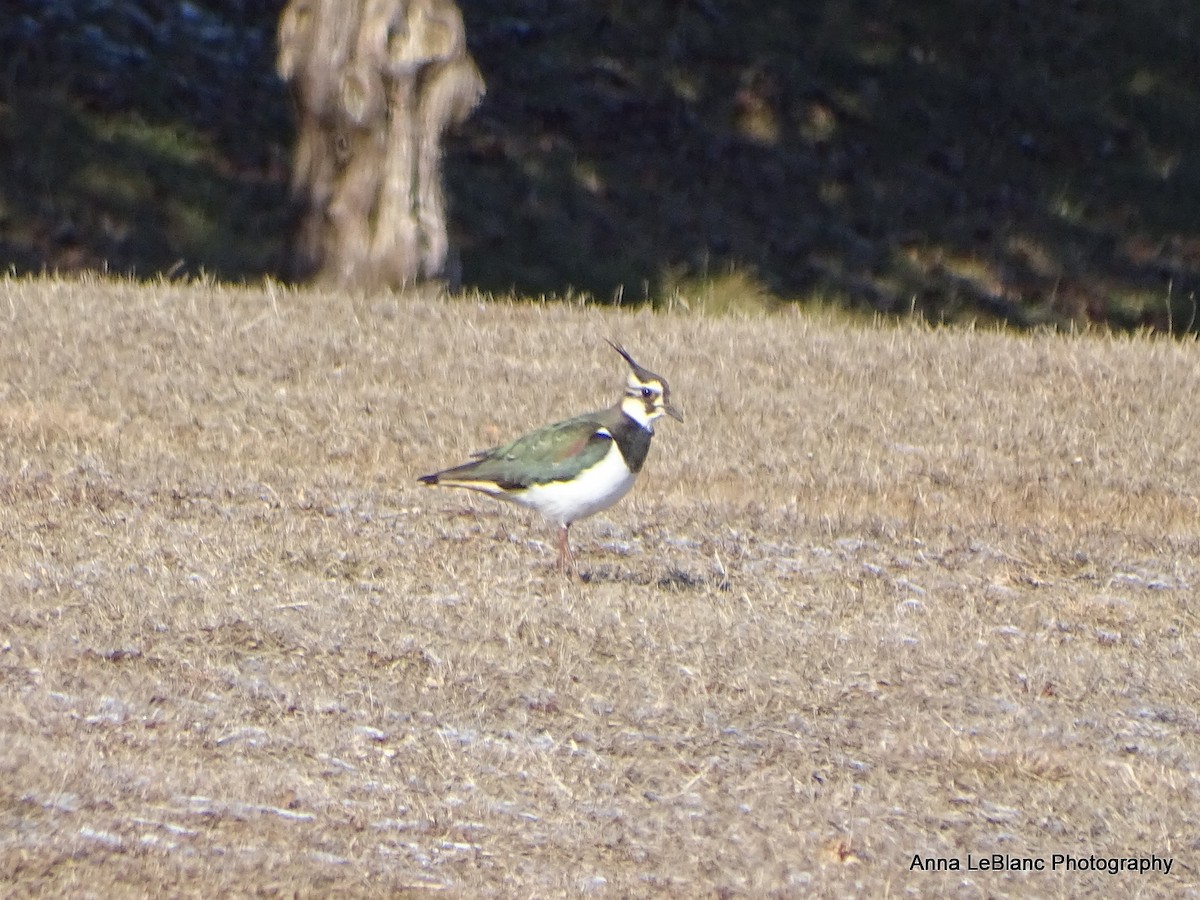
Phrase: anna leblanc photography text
(1058, 862)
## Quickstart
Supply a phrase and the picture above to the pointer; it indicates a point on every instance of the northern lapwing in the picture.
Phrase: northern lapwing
(575, 468)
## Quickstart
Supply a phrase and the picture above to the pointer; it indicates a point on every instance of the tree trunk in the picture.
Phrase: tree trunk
(377, 84)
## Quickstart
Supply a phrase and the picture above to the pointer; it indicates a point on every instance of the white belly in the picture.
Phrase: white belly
(595, 489)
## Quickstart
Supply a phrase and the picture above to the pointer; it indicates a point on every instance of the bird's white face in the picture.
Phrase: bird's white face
(647, 399)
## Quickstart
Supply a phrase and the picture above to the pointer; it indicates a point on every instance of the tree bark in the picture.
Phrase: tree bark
(377, 84)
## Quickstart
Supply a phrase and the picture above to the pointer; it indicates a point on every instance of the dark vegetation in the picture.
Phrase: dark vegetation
(141, 137)
(1028, 161)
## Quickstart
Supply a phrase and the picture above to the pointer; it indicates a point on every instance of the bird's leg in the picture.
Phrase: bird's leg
(566, 559)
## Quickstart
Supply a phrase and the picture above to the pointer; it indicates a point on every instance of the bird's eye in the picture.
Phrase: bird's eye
(647, 393)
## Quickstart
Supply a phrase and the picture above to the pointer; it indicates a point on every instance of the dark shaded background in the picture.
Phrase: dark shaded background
(1032, 161)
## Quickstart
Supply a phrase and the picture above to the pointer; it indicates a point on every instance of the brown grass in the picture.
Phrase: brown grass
(889, 590)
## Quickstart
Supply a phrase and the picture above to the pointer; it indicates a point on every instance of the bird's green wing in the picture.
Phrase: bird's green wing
(555, 453)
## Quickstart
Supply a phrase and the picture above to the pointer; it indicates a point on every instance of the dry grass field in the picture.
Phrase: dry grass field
(888, 591)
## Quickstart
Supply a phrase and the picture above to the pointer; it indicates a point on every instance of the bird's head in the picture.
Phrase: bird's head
(647, 396)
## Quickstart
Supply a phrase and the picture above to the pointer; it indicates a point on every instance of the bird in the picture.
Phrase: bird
(575, 468)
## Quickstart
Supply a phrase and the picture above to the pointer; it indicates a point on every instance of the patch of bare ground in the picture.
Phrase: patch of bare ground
(889, 591)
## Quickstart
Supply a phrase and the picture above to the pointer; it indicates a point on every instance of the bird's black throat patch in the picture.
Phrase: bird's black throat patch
(633, 440)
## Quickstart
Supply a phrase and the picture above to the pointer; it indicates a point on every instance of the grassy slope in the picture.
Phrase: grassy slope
(1017, 160)
(887, 591)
